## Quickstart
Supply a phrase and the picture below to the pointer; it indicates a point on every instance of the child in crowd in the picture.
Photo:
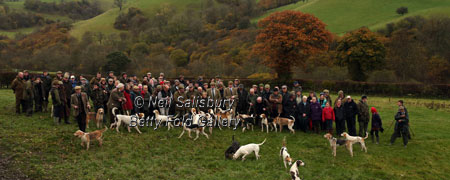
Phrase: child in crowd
(328, 117)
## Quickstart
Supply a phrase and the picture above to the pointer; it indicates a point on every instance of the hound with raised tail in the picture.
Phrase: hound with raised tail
(127, 120)
(221, 115)
(163, 118)
(284, 122)
(247, 149)
(285, 155)
(356, 139)
(334, 142)
(294, 169)
(87, 137)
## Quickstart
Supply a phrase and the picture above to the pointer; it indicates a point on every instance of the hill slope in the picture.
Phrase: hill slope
(345, 15)
(104, 22)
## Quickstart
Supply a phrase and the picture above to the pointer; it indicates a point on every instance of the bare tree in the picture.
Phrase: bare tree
(119, 3)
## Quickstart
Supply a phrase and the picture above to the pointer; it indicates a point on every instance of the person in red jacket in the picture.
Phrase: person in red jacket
(328, 117)
(128, 106)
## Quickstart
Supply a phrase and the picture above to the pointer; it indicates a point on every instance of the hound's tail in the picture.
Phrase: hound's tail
(293, 118)
(367, 135)
(103, 130)
(114, 109)
(262, 142)
(284, 141)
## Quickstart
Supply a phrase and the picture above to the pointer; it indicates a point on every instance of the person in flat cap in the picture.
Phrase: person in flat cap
(231, 93)
(327, 96)
(266, 92)
(363, 116)
(80, 105)
(276, 99)
(47, 83)
(116, 100)
(213, 93)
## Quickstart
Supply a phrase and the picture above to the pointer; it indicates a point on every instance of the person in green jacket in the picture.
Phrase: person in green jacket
(56, 100)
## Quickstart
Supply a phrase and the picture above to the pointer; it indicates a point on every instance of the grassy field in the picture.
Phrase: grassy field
(41, 150)
(345, 15)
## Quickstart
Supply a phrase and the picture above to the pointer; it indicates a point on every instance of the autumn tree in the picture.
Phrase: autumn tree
(288, 38)
(362, 52)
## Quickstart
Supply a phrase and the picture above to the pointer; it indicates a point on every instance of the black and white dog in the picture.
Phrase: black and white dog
(232, 149)
(295, 175)
(247, 121)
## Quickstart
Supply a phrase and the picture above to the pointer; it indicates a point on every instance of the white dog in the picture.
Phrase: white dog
(195, 126)
(356, 139)
(247, 149)
(294, 170)
(163, 118)
(127, 120)
(285, 155)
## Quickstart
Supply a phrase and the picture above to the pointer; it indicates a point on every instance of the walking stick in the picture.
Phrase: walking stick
(412, 132)
(390, 125)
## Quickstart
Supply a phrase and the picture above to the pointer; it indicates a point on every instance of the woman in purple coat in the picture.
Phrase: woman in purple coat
(316, 114)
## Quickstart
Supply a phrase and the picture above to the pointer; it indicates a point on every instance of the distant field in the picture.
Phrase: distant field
(37, 148)
(345, 15)
(104, 22)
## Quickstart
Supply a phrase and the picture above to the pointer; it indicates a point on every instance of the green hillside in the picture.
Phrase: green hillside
(104, 22)
(345, 15)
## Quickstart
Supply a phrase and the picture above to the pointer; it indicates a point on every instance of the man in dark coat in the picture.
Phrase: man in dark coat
(99, 98)
(289, 106)
(339, 114)
(80, 104)
(401, 126)
(350, 110)
(363, 116)
(243, 103)
(67, 93)
(57, 102)
(39, 94)
(28, 96)
(303, 114)
(47, 83)
(316, 114)
(17, 86)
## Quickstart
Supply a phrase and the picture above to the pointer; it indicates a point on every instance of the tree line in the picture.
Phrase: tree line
(218, 38)
(83, 9)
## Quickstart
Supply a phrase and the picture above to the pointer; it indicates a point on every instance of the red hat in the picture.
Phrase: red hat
(161, 83)
(373, 110)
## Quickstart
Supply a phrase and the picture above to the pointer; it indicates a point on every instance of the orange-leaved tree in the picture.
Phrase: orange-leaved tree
(287, 38)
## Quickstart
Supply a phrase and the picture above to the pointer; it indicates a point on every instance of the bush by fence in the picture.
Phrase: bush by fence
(352, 87)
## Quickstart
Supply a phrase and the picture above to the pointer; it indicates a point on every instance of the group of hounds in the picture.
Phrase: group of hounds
(234, 151)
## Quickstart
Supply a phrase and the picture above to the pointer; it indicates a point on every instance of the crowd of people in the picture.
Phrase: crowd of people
(312, 112)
